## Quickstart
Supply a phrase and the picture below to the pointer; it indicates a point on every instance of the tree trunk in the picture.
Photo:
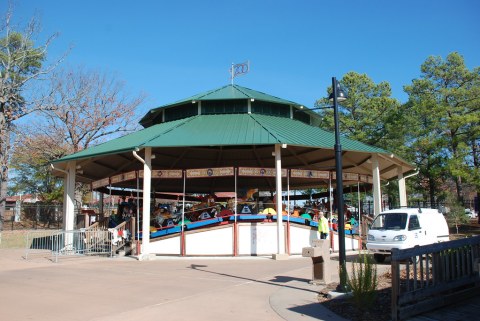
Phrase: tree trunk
(431, 184)
(458, 183)
(476, 166)
(431, 189)
(4, 149)
(3, 187)
(3, 197)
(458, 179)
(477, 206)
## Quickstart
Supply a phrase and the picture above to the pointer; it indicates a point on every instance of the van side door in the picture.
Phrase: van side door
(416, 231)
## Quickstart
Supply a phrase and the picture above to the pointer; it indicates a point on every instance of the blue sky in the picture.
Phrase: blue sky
(174, 49)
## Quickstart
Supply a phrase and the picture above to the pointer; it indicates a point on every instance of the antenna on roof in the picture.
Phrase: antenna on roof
(239, 69)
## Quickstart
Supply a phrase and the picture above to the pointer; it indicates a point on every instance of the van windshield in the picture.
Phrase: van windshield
(390, 221)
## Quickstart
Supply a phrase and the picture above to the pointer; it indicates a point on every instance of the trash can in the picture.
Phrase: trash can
(321, 264)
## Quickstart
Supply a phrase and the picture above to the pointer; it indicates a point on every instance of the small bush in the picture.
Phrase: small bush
(363, 282)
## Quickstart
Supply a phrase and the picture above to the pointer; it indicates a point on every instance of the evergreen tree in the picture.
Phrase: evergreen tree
(369, 114)
(442, 112)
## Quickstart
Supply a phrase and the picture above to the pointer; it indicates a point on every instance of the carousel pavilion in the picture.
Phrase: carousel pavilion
(224, 140)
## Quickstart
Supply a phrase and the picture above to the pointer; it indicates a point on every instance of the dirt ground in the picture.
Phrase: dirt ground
(348, 310)
(465, 230)
(382, 304)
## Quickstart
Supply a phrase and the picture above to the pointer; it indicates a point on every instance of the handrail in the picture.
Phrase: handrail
(99, 225)
(94, 226)
(121, 234)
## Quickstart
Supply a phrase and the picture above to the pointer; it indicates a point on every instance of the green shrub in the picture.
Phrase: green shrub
(363, 281)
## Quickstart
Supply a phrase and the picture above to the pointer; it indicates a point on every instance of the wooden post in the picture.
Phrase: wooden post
(395, 266)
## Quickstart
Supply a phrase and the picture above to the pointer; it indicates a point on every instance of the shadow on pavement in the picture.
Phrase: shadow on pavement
(275, 281)
(315, 311)
(286, 279)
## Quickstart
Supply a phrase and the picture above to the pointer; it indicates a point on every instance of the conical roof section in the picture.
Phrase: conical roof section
(231, 92)
(228, 92)
(238, 92)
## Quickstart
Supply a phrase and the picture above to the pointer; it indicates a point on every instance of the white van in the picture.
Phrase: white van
(405, 228)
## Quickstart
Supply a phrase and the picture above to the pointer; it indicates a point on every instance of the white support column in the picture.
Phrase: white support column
(377, 189)
(69, 197)
(280, 230)
(147, 186)
(402, 190)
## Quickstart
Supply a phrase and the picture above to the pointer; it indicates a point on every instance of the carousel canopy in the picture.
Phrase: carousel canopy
(236, 97)
(239, 134)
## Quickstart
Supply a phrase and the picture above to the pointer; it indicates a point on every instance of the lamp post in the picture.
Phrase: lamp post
(339, 95)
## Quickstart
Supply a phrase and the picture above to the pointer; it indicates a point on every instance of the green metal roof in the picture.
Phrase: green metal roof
(228, 139)
(122, 144)
(228, 92)
(233, 92)
(224, 130)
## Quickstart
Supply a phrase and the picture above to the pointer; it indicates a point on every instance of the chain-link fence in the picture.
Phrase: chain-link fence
(33, 216)
(22, 216)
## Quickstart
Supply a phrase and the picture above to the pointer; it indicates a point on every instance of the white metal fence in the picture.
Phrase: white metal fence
(68, 243)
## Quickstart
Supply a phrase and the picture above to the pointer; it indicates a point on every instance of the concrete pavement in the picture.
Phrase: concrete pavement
(170, 288)
(297, 302)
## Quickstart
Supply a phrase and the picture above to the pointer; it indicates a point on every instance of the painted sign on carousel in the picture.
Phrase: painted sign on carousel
(165, 173)
(363, 178)
(101, 183)
(303, 173)
(259, 172)
(123, 177)
(210, 172)
(346, 176)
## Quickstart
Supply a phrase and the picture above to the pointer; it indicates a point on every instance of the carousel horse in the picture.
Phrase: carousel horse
(163, 217)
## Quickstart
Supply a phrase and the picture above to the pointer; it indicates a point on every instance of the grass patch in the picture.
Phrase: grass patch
(13, 239)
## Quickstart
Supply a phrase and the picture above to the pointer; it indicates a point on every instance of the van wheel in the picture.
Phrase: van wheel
(379, 258)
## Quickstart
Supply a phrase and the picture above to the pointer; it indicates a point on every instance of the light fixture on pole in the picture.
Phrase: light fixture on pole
(338, 96)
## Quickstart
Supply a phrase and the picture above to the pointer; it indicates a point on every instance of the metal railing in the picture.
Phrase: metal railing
(69, 243)
(434, 275)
